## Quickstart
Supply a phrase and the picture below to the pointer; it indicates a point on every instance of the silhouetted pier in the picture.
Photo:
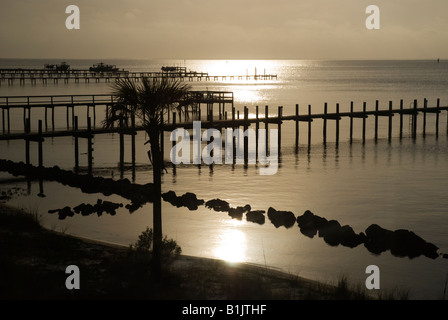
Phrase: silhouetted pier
(33, 76)
(220, 113)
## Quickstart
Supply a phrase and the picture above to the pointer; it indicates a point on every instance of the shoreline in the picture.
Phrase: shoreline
(30, 251)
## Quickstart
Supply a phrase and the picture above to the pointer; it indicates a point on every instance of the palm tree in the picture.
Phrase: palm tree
(148, 101)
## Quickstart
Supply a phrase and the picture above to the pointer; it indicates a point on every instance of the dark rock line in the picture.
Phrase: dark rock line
(401, 243)
(86, 209)
(137, 194)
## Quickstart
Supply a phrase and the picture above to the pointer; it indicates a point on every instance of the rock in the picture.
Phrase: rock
(170, 197)
(256, 216)
(63, 213)
(309, 223)
(237, 213)
(431, 251)
(85, 209)
(218, 205)
(188, 200)
(348, 237)
(378, 239)
(406, 243)
(281, 218)
(107, 206)
(401, 243)
(330, 231)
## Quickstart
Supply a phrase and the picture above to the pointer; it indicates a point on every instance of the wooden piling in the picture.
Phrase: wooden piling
(257, 128)
(401, 119)
(52, 118)
(89, 146)
(174, 124)
(122, 146)
(9, 120)
(266, 125)
(390, 122)
(24, 119)
(133, 138)
(337, 124)
(414, 121)
(3, 120)
(73, 115)
(309, 125)
(88, 112)
(223, 109)
(325, 124)
(376, 120)
(351, 122)
(425, 106)
(297, 127)
(364, 107)
(27, 142)
(246, 135)
(67, 116)
(211, 112)
(40, 147)
(75, 130)
(233, 136)
(162, 136)
(279, 135)
(437, 117)
(46, 120)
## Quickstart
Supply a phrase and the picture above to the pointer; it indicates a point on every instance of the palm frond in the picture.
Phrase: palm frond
(147, 100)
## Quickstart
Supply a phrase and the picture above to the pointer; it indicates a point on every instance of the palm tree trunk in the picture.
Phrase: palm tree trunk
(157, 204)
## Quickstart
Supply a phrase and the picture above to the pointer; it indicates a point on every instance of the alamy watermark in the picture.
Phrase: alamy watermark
(72, 281)
(373, 280)
(73, 20)
(372, 21)
(234, 151)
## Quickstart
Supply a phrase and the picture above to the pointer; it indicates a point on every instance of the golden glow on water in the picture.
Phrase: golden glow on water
(249, 95)
(231, 243)
(239, 67)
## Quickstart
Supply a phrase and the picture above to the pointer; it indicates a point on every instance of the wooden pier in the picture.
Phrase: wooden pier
(218, 118)
(33, 76)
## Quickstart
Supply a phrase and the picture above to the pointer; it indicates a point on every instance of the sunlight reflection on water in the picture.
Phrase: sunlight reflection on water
(231, 244)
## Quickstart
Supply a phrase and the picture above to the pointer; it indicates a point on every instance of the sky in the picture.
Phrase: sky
(230, 29)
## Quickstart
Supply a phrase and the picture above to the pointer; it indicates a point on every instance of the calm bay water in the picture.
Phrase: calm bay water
(397, 185)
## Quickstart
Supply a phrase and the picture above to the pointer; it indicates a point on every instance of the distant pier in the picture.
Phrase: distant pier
(33, 76)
